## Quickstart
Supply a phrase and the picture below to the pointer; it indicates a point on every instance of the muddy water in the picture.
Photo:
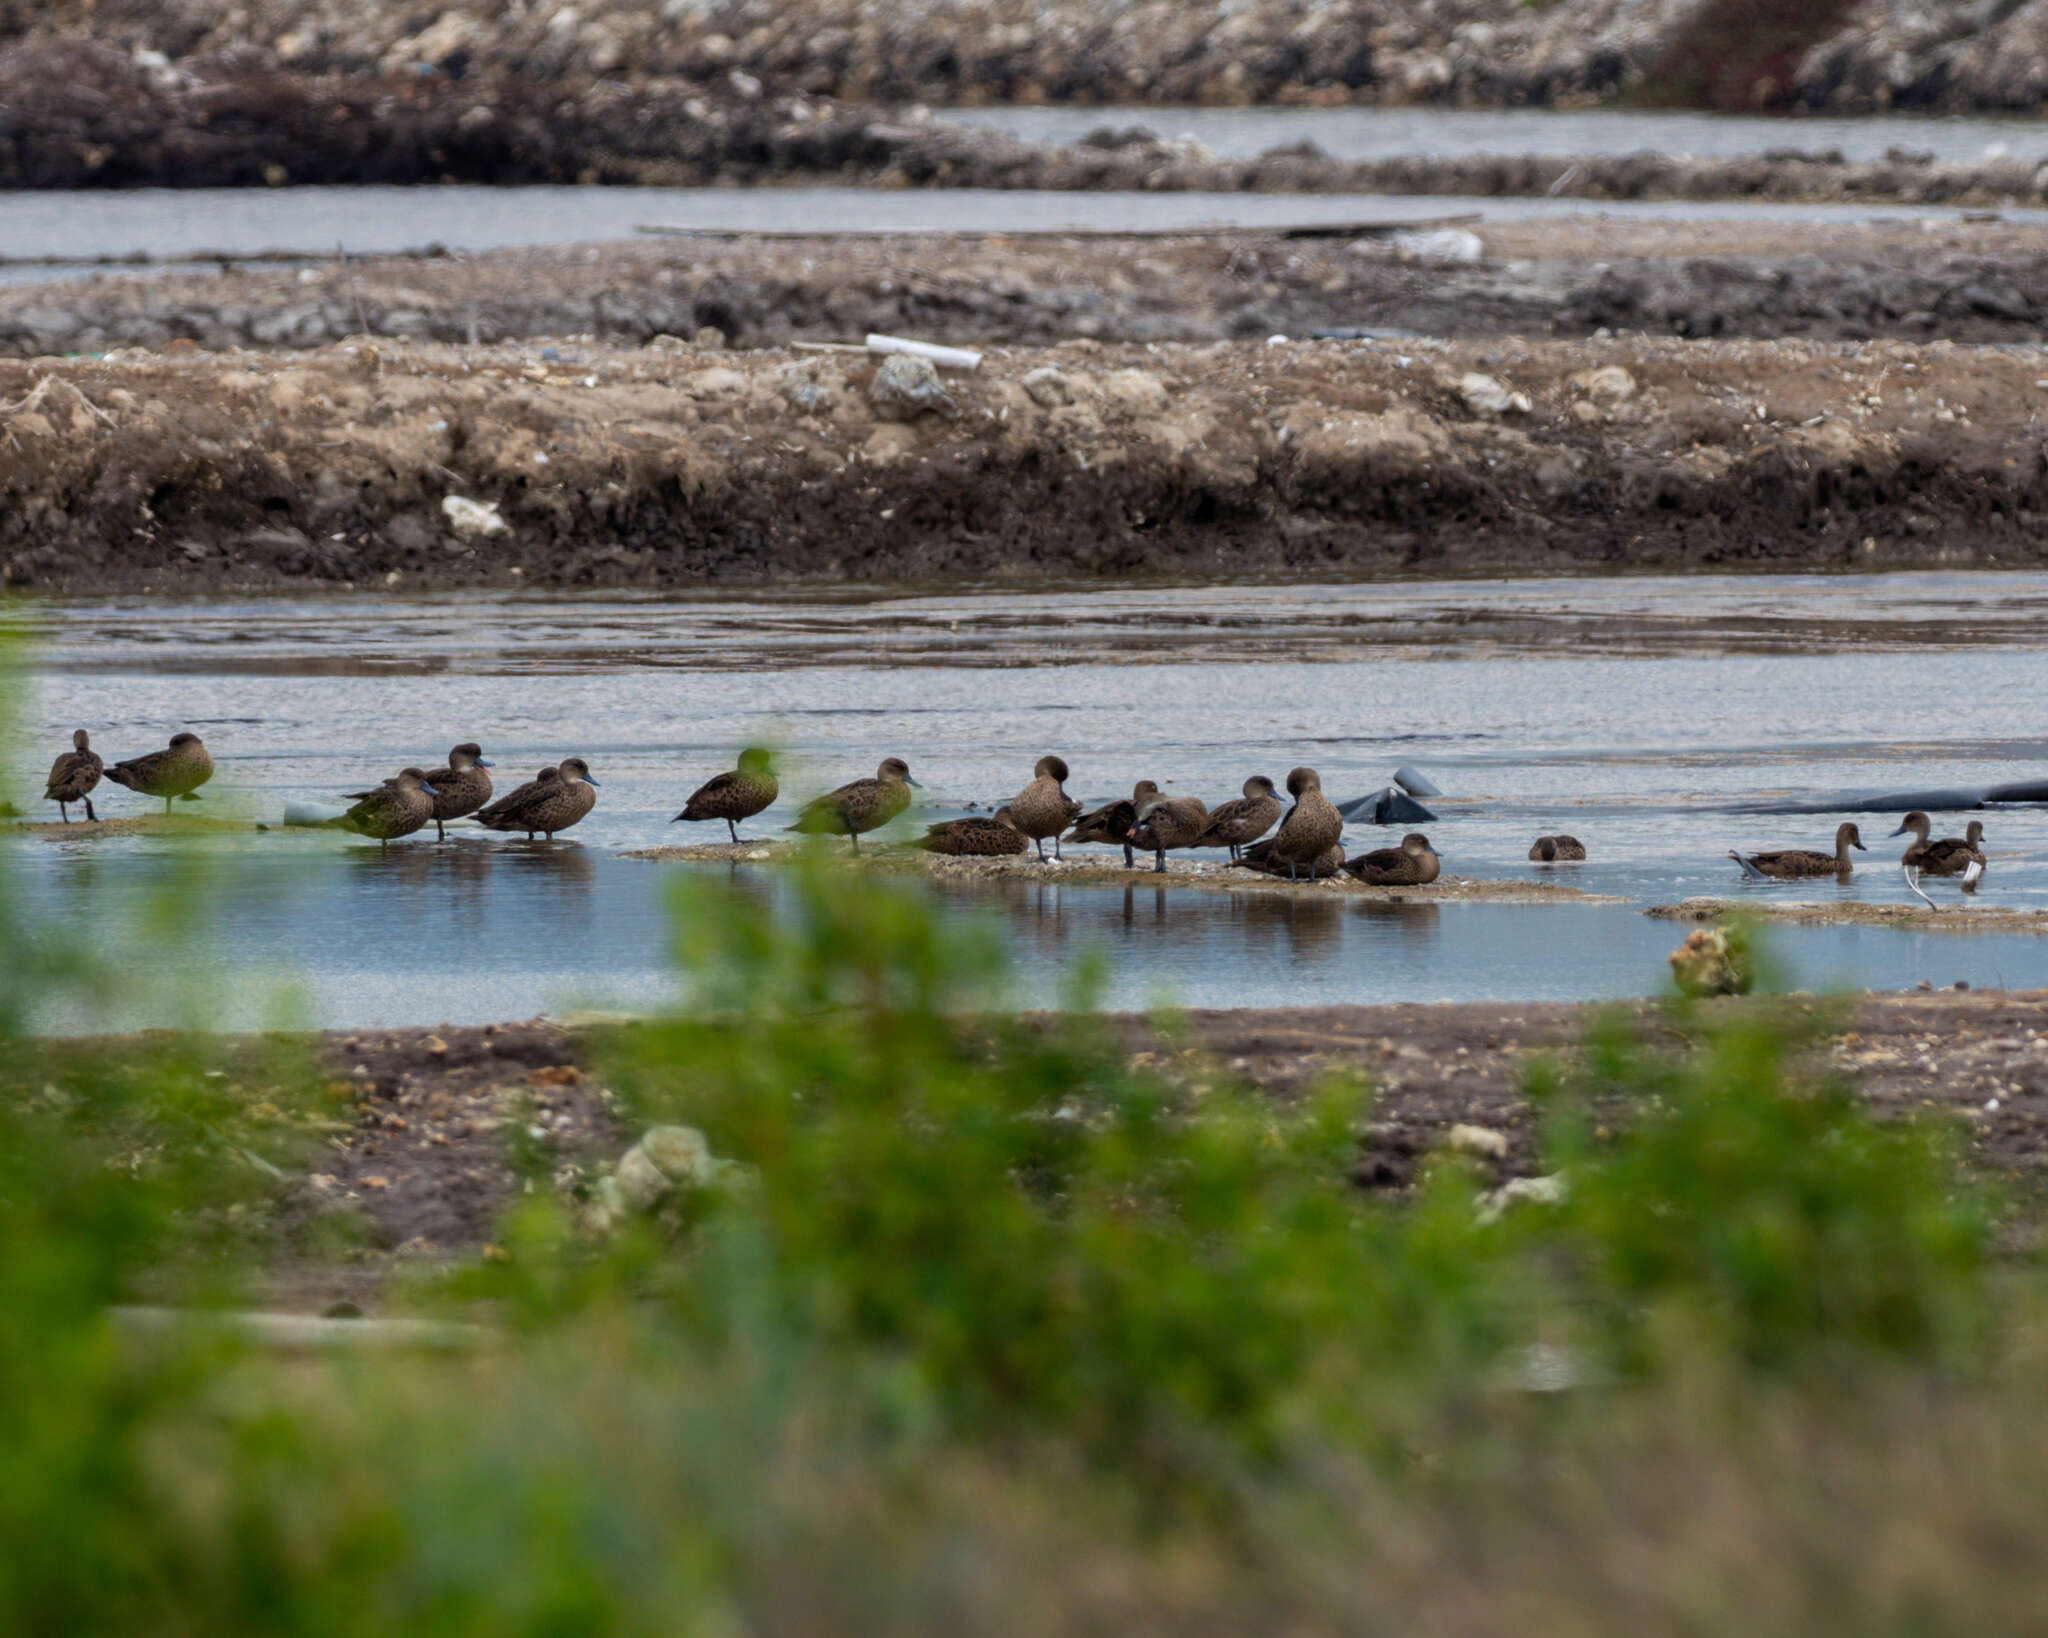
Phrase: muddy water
(173, 224)
(1629, 712)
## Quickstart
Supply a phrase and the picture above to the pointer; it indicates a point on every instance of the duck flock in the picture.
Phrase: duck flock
(1305, 840)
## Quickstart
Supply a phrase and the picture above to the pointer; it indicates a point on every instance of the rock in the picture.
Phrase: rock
(1440, 247)
(1479, 1140)
(666, 1158)
(473, 520)
(1048, 387)
(1484, 395)
(1713, 961)
(1517, 1191)
(803, 391)
(717, 383)
(1138, 391)
(905, 388)
(1609, 384)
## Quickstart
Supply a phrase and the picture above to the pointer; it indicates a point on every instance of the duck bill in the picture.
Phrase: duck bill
(1899, 832)
(481, 763)
(588, 780)
(912, 783)
(429, 789)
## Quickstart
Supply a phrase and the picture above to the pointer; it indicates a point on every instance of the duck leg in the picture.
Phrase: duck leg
(1041, 848)
(734, 831)
(89, 814)
(440, 831)
(64, 812)
(1130, 861)
(853, 836)
(167, 807)
(1159, 869)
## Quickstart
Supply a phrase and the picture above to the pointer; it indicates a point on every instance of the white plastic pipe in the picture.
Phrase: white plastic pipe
(946, 358)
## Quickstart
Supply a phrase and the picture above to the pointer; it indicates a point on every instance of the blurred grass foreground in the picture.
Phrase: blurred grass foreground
(973, 1327)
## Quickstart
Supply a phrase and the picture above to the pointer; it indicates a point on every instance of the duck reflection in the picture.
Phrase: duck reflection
(1400, 916)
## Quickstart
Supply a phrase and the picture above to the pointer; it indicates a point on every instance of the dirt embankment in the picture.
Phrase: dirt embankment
(76, 114)
(1973, 282)
(415, 1158)
(661, 467)
(1835, 54)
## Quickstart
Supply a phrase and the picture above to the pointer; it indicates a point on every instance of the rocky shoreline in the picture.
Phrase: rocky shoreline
(81, 114)
(387, 464)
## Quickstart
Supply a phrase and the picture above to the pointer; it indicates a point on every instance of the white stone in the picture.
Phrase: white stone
(472, 520)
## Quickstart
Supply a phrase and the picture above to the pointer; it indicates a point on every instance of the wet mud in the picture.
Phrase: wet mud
(193, 473)
(1951, 913)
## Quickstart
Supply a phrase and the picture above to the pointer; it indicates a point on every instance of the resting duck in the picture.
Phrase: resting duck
(1312, 825)
(73, 776)
(1043, 808)
(1951, 856)
(1109, 823)
(1259, 857)
(460, 788)
(1236, 824)
(1413, 864)
(1557, 850)
(172, 773)
(1164, 822)
(1793, 863)
(977, 837)
(733, 796)
(859, 807)
(553, 801)
(396, 808)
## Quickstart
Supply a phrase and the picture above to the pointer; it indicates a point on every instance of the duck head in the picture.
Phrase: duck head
(1002, 816)
(1145, 796)
(1545, 851)
(1050, 767)
(1975, 834)
(415, 779)
(1416, 845)
(755, 760)
(576, 768)
(468, 754)
(79, 741)
(1257, 786)
(1849, 836)
(1302, 780)
(894, 770)
(1917, 822)
(178, 740)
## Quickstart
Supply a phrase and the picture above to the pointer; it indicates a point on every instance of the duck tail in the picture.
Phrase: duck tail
(1749, 871)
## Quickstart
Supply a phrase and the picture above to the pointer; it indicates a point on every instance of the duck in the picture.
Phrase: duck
(1793, 863)
(1109, 823)
(501, 814)
(861, 806)
(1413, 864)
(460, 788)
(1164, 822)
(1951, 856)
(398, 807)
(978, 836)
(1312, 825)
(1236, 824)
(174, 772)
(733, 796)
(1557, 850)
(1259, 856)
(73, 776)
(1043, 808)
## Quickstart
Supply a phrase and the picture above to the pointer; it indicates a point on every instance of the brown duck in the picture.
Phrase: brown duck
(1796, 863)
(172, 773)
(978, 836)
(1043, 808)
(503, 813)
(1164, 822)
(1312, 825)
(1259, 857)
(460, 788)
(1109, 823)
(396, 808)
(1413, 864)
(554, 801)
(72, 777)
(740, 794)
(1951, 856)
(1557, 850)
(859, 807)
(1236, 824)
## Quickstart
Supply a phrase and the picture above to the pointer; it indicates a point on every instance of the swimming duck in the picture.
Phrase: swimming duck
(1234, 824)
(991, 837)
(72, 777)
(1109, 823)
(1164, 822)
(857, 808)
(176, 771)
(398, 807)
(460, 788)
(1259, 857)
(737, 795)
(1792, 863)
(1043, 808)
(1413, 864)
(1312, 824)
(504, 813)
(1951, 856)
(1557, 850)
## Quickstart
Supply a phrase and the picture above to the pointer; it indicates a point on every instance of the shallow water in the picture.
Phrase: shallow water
(1629, 712)
(1449, 133)
(178, 224)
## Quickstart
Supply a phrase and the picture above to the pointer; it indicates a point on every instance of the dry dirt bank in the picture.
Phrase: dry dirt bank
(1844, 54)
(412, 1150)
(1955, 281)
(651, 467)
